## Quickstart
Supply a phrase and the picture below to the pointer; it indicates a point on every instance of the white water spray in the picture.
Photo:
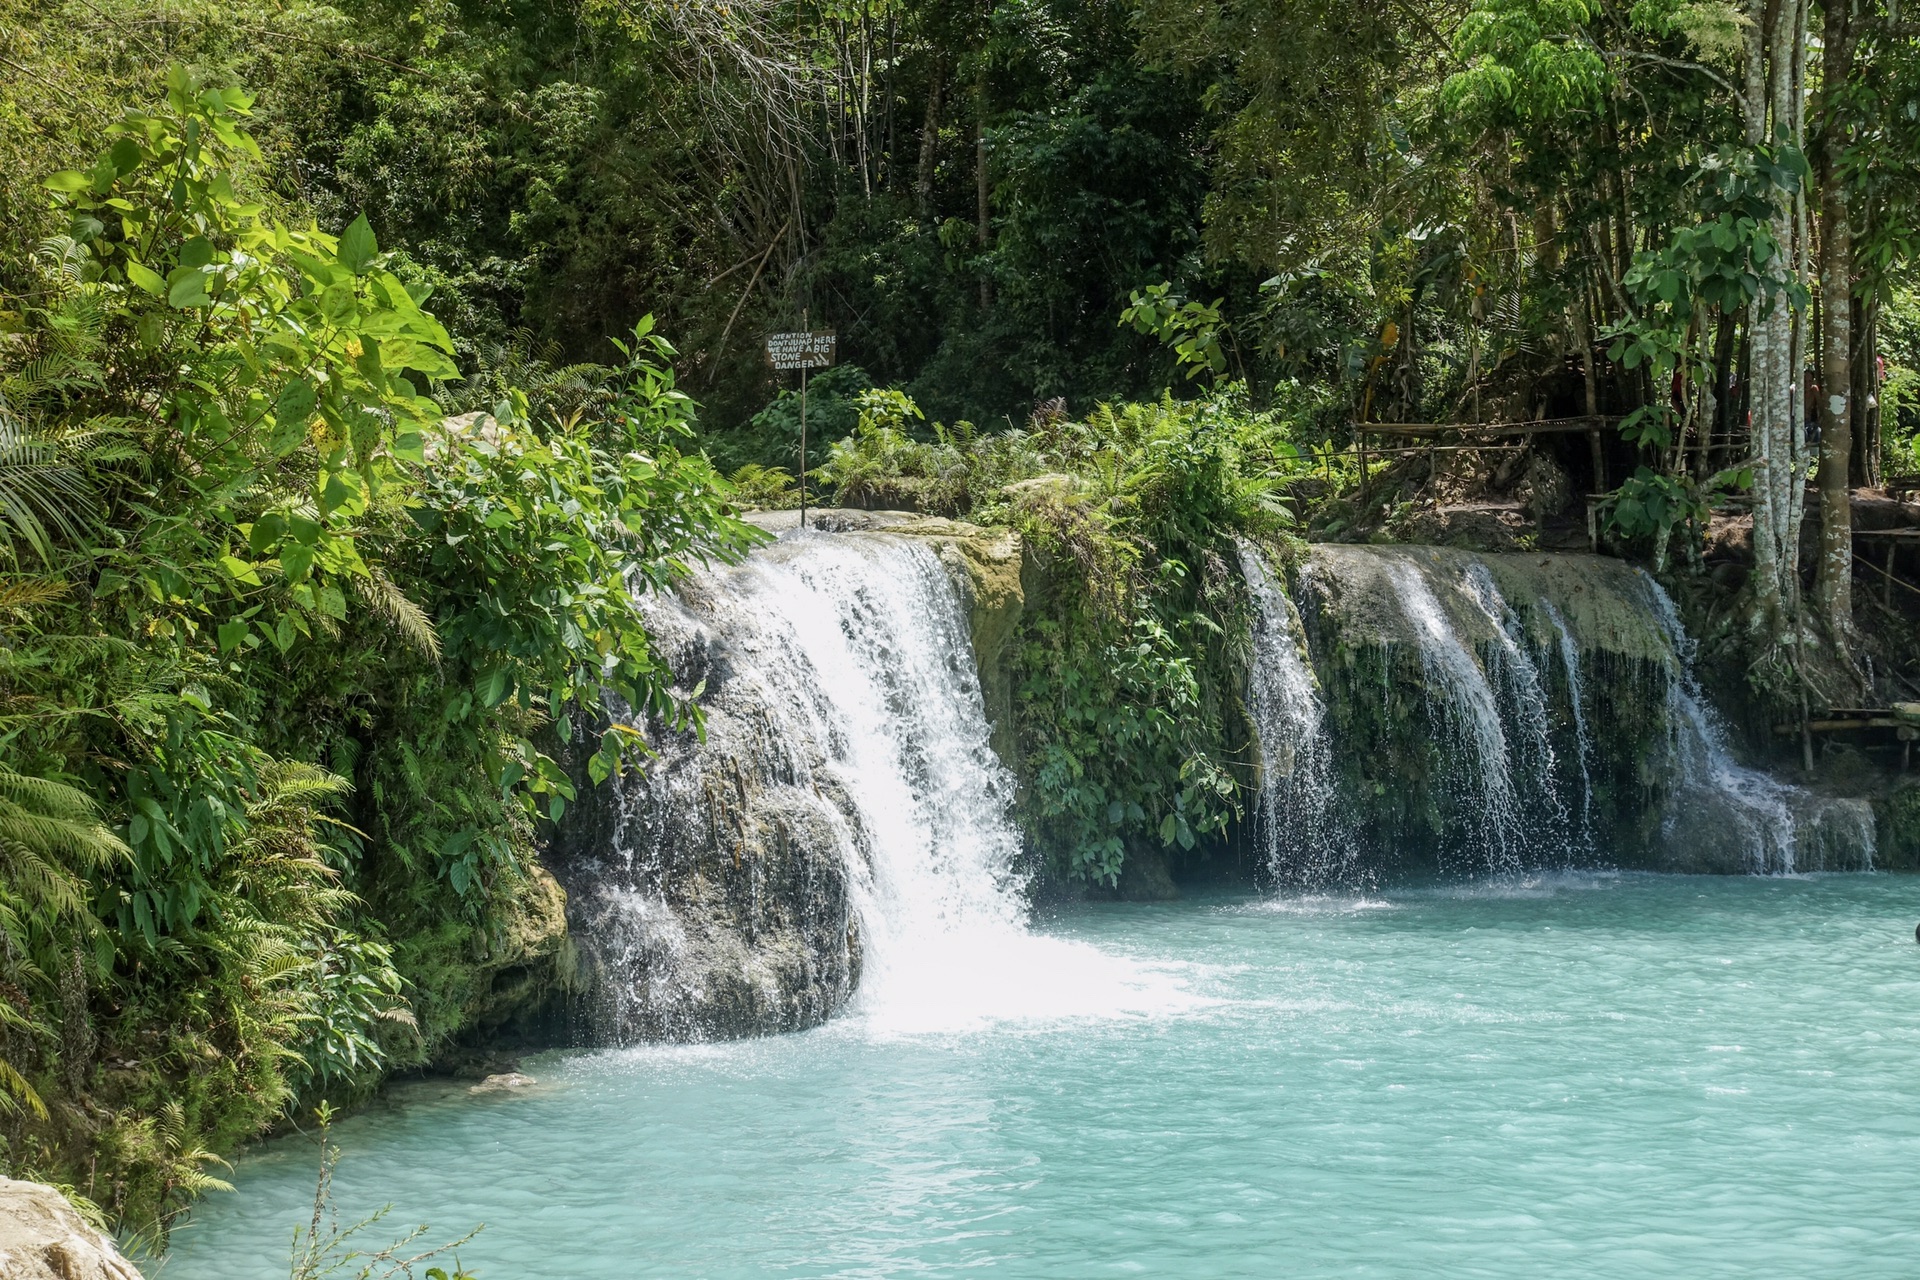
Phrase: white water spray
(1774, 824)
(1299, 823)
(1529, 715)
(851, 655)
(1459, 696)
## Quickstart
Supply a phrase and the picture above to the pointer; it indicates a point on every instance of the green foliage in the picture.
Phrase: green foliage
(352, 987)
(1192, 330)
(767, 488)
(1527, 59)
(1124, 675)
(282, 696)
(1650, 506)
(832, 411)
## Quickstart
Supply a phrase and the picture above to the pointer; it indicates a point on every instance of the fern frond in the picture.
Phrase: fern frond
(406, 617)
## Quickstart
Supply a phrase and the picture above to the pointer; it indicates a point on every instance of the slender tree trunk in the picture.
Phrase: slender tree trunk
(983, 234)
(930, 138)
(1866, 394)
(893, 60)
(1766, 104)
(1833, 587)
(1721, 422)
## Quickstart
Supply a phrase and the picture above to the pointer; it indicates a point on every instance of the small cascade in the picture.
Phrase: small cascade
(1298, 820)
(1528, 712)
(1460, 697)
(1577, 702)
(842, 833)
(1458, 700)
(1742, 814)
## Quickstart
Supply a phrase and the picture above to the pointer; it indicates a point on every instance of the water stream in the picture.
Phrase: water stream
(1722, 803)
(846, 704)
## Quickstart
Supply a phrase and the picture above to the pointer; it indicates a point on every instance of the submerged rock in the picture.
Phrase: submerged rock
(506, 1082)
(42, 1237)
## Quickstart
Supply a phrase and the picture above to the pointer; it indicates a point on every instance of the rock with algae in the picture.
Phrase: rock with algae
(1490, 711)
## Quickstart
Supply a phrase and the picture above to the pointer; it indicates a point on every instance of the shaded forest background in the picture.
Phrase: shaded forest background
(1415, 210)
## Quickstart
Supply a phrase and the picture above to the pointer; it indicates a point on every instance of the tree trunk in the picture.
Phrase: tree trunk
(1833, 587)
(930, 139)
(1767, 105)
(1866, 393)
(1720, 424)
(982, 232)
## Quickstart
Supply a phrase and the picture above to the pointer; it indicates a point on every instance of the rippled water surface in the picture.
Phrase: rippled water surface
(1586, 1076)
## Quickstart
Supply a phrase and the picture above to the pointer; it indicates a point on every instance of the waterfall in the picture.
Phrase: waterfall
(845, 820)
(1720, 803)
(1460, 698)
(1576, 699)
(1455, 700)
(1526, 699)
(1298, 821)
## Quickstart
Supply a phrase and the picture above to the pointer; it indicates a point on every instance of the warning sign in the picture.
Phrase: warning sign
(801, 350)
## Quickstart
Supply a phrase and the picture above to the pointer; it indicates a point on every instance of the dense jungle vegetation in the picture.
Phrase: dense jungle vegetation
(338, 421)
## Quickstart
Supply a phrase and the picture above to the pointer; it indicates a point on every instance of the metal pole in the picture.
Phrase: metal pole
(803, 446)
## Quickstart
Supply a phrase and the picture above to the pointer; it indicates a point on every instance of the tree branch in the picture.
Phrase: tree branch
(1678, 64)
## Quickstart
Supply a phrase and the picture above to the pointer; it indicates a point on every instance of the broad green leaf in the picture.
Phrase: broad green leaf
(240, 571)
(266, 532)
(67, 180)
(296, 561)
(146, 279)
(187, 287)
(342, 490)
(357, 246)
(337, 302)
(407, 353)
(231, 634)
(295, 402)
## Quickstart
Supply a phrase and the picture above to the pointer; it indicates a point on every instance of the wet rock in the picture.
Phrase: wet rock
(508, 1082)
(42, 1237)
(1544, 716)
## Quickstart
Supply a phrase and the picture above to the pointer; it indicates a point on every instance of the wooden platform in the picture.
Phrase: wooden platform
(1488, 430)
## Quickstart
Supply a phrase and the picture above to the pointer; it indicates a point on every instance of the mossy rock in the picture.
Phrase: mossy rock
(1376, 617)
(1898, 822)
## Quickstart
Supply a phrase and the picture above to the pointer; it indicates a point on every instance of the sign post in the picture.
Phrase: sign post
(802, 351)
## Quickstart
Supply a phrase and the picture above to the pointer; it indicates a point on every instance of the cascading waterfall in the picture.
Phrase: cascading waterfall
(1460, 697)
(1443, 718)
(1577, 703)
(1298, 819)
(1528, 710)
(847, 750)
(1718, 800)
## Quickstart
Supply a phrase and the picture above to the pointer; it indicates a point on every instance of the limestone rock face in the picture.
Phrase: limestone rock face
(1532, 687)
(708, 893)
(42, 1237)
(711, 893)
(1513, 711)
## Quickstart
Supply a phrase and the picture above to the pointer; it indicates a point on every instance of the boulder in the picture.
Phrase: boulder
(505, 1082)
(42, 1237)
